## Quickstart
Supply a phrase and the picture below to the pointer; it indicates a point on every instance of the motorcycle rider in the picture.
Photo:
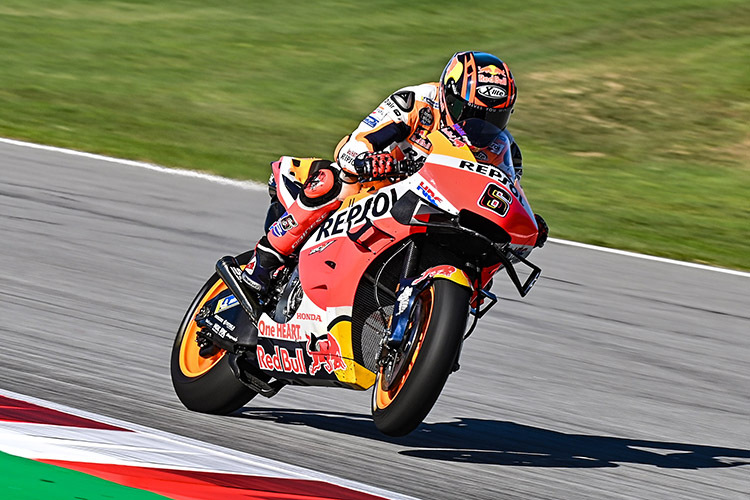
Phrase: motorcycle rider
(472, 85)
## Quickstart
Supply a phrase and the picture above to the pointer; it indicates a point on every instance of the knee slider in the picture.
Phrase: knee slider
(323, 185)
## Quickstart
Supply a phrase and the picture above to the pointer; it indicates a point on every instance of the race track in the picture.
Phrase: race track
(615, 378)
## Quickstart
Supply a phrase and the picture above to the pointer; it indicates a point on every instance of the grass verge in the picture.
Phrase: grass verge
(634, 117)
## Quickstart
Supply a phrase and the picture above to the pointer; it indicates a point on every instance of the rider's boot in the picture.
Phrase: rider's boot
(257, 275)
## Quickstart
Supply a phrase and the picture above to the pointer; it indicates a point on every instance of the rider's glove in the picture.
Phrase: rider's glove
(543, 231)
(374, 166)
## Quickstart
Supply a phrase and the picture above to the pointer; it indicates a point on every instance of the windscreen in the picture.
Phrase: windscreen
(480, 133)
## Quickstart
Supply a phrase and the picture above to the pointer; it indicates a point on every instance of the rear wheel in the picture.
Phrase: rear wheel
(205, 384)
(406, 389)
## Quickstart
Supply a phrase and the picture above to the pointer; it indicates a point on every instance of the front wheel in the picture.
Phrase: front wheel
(205, 384)
(399, 405)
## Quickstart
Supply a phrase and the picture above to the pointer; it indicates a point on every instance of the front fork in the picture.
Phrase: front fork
(397, 343)
(405, 296)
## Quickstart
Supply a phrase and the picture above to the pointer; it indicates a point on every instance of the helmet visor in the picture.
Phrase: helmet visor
(462, 110)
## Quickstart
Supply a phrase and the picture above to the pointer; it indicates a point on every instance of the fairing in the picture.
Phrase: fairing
(314, 345)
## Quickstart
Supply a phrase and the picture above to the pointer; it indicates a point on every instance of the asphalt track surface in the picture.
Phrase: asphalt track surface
(615, 378)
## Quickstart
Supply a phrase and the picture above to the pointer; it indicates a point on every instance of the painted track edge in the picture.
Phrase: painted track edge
(291, 469)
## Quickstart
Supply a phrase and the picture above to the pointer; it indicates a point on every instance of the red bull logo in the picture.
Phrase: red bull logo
(281, 360)
(493, 74)
(327, 355)
(447, 271)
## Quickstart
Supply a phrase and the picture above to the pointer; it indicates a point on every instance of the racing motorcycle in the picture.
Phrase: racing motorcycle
(382, 294)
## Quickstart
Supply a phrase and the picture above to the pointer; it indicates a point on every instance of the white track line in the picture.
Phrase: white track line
(249, 185)
(256, 186)
(651, 257)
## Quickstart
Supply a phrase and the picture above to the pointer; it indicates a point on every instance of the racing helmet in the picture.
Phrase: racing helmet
(476, 85)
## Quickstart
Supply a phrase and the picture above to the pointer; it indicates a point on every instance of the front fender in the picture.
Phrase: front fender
(450, 273)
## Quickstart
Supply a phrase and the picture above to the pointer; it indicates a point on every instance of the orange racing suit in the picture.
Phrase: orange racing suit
(400, 125)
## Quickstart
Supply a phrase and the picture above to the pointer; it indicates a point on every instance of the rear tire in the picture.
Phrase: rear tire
(440, 328)
(205, 385)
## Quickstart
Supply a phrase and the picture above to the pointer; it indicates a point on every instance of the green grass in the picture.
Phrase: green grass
(634, 117)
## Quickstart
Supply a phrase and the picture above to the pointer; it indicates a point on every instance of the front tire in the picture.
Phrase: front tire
(205, 385)
(399, 407)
